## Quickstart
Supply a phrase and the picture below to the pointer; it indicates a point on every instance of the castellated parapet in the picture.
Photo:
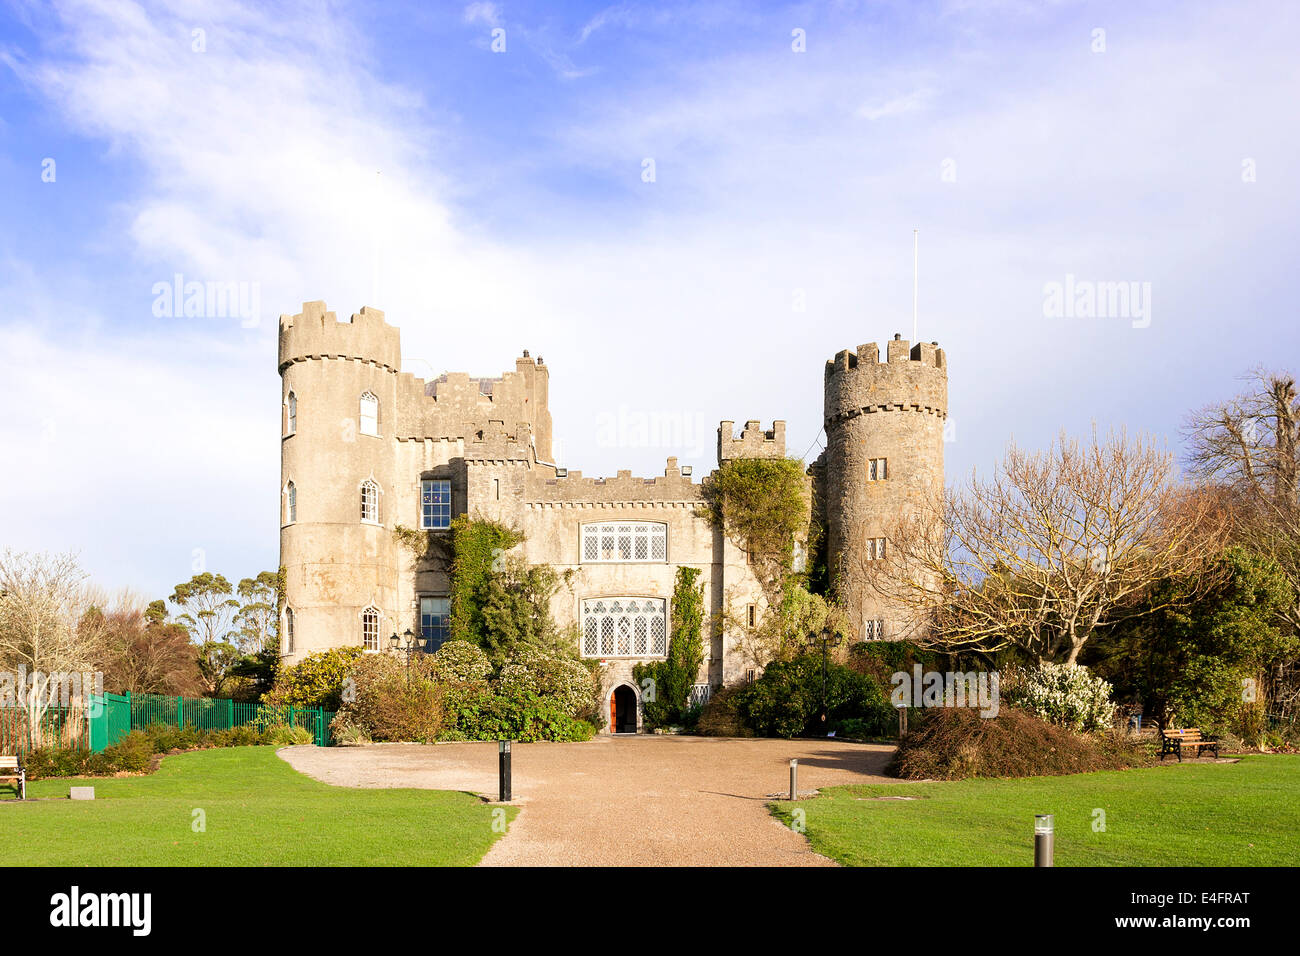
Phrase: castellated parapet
(891, 413)
(754, 441)
(316, 332)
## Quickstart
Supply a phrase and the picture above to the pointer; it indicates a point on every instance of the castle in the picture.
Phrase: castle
(368, 449)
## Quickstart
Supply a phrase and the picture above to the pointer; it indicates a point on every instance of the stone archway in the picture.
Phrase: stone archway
(624, 710)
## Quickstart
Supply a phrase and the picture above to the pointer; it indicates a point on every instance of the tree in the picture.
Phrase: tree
(1055, 547)
(1208, 656)
(1251, 445)
(258, 617)
(208, 612)
(43, 600)
(143, 655)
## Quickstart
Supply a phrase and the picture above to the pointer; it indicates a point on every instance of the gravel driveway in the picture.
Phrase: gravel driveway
(622, 801)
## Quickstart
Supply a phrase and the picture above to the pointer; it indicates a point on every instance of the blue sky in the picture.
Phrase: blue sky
(385, 154)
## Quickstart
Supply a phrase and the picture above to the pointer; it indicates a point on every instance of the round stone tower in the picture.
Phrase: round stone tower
(340, 559)
(884, 448)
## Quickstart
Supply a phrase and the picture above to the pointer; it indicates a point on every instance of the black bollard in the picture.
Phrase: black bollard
(503, 754)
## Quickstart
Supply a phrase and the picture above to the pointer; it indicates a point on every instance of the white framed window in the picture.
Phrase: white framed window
(873, 630)
(290, 503)
(623, 541)
(877, 469)
(370, 501)
(875, 549)
(290, 414)
(435, 621)
(288, 631)
(370, 628)
(435, 503)
(369, 414)
(624, 627)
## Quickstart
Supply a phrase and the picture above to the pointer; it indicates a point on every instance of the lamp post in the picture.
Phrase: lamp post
(407, 644)
(826, 639)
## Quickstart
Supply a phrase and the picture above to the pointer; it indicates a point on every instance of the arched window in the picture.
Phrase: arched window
(370, 501)
(370, 628)
(290, 503)
(288, 631)
(291, 414)
(369, 414)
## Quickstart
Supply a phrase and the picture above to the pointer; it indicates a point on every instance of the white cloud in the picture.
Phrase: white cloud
(277, 156)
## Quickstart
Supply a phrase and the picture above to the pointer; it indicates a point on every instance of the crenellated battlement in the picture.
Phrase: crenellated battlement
(546, 486)
(753, 442)
(316, 332)
(912, 377)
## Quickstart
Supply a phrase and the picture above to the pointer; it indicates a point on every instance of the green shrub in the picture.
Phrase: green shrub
(787, 700)
(316, 680)
(526, 718)
(50, 762)
(390, 703)
(132, 754)
(286, 735)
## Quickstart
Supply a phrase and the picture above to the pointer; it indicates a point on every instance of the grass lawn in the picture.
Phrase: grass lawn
(1242, 814)
(259, 812)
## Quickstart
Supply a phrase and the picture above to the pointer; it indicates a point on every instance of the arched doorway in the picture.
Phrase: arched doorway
(622, 710)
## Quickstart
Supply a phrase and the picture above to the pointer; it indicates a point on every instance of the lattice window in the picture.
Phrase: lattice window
(369, 502)
(873, 630)
(435, 503)
(370, 629)
(624, 627)
(369, 414)
(875, 549)
(624, 541)
(877, 469)
(435, 622)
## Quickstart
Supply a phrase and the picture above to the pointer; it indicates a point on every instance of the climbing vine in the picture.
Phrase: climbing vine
(478, 548)
(674, 676)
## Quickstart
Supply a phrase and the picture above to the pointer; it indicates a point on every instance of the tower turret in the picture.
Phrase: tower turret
(339, 486)
(884, 448)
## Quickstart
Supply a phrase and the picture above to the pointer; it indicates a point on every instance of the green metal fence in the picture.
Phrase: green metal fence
(110, 717)
(60, 727)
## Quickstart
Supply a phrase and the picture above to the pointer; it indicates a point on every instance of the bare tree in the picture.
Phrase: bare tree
(1251, 445)
(43, 598)
(1056, 545)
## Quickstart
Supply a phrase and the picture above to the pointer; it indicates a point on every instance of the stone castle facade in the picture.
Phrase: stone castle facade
(368, 449)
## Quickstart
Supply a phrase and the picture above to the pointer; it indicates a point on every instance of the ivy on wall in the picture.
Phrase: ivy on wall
(674, 676)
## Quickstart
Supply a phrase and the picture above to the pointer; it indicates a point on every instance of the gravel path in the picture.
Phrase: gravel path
(622, 801)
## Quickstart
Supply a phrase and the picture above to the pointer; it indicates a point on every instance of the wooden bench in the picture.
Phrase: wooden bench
(11, 769)
(1174, 741)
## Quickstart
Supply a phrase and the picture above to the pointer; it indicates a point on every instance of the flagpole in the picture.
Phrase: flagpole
(916, 260)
